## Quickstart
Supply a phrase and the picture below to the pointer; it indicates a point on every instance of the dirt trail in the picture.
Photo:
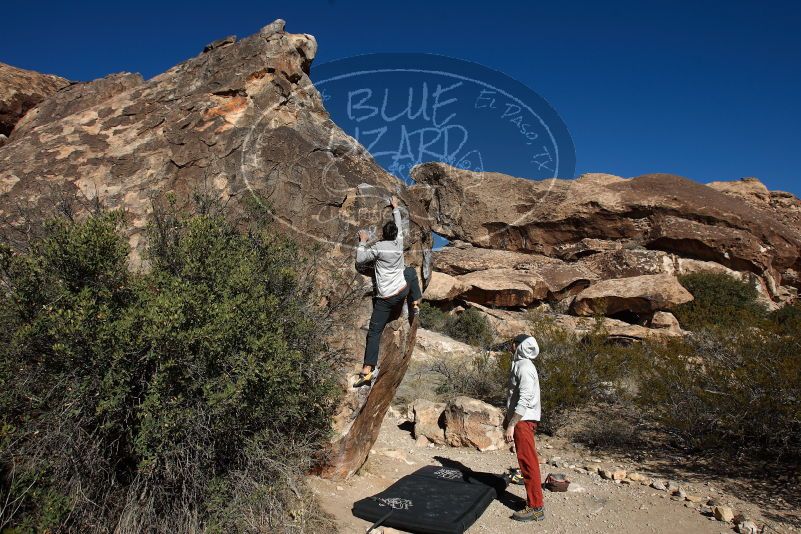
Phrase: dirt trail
(603, 506)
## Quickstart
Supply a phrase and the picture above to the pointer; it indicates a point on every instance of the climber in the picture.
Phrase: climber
(391, 287)
(522, 418)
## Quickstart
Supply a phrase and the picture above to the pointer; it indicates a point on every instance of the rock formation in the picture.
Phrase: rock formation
(240, 121)
(605, 244)
(21, 90)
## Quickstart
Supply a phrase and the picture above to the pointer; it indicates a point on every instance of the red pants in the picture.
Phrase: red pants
(528, 460)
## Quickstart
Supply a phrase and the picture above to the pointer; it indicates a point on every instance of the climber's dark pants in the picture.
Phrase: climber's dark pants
(383, 311)
(415, 294)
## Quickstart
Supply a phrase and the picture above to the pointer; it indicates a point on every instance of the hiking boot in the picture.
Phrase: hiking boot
(530, 514)
(364, 379)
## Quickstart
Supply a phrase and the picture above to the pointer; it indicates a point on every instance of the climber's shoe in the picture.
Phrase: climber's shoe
(529, 514)
(364, 379)
(516, 477)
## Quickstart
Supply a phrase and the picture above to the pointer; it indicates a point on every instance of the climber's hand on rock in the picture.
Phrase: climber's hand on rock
(363, 236)
(393, 201)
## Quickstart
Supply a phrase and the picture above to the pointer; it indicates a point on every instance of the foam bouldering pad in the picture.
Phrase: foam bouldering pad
(433, 500)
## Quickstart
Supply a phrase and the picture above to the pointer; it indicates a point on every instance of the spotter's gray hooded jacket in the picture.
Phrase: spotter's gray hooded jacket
(524, 384)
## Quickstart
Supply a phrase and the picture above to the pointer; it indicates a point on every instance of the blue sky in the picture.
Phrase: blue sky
(707, 90)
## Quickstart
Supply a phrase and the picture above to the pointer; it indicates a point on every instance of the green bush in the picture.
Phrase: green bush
(484, 378)
(719, 301)
(735, 389)
(190, 397)
(432, 318)
(469, 326)
(577, 371)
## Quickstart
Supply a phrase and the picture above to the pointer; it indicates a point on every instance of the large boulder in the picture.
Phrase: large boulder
(655, 211)
(637, 294)
(242, 122)
(463, 258)
(473, 423)
(504, 287)
(428, 420)
(432, 346)
(444, 287)
(21, 90)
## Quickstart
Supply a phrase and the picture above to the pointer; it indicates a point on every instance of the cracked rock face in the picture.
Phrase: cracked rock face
(240, 121)
(21, 90)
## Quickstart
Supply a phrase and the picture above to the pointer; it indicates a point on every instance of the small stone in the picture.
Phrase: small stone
(679, 493)
(658, 485)
(747, 527)
(694, 499)
(612, 474)
(422, 441)
(637, 477)
(723, 513)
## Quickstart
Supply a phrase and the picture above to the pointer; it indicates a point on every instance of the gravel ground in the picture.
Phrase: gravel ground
(603, 506)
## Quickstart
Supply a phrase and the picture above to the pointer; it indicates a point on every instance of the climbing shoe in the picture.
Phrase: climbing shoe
(364, 379)
(516, 477)
(529, 514)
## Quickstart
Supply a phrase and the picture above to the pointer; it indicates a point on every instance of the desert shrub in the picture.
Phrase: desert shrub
(484, 378)
(576, 371)
(187, 398)
(786, 320)
(469, 326)
(729, 389)
(573, 371)
(432, 317)
(719, 301)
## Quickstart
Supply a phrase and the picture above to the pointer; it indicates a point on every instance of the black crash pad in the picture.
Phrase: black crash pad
(433, 500)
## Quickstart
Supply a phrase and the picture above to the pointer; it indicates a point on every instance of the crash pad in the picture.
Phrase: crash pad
(433, 500)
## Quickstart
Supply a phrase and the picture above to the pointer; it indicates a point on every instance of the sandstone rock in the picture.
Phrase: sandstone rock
(428, 420)
(747, 527)
(749, 189)
(240, 122)
(505, 323)
(657, 211)
(504, 287)
(3, 139)
(612, 474)
(433, 346)
(627, 262)
(444, 287)
(463, 258)
(473, 423)
(723, 513)
(665, 321)
(637, 294)
(695, 499)
(637, 477)
(21, 90)
(658, 485)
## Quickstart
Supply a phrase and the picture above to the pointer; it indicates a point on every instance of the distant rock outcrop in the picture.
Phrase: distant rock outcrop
(240, 121)
(655, 212)
(21, 90)
(605, 244)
